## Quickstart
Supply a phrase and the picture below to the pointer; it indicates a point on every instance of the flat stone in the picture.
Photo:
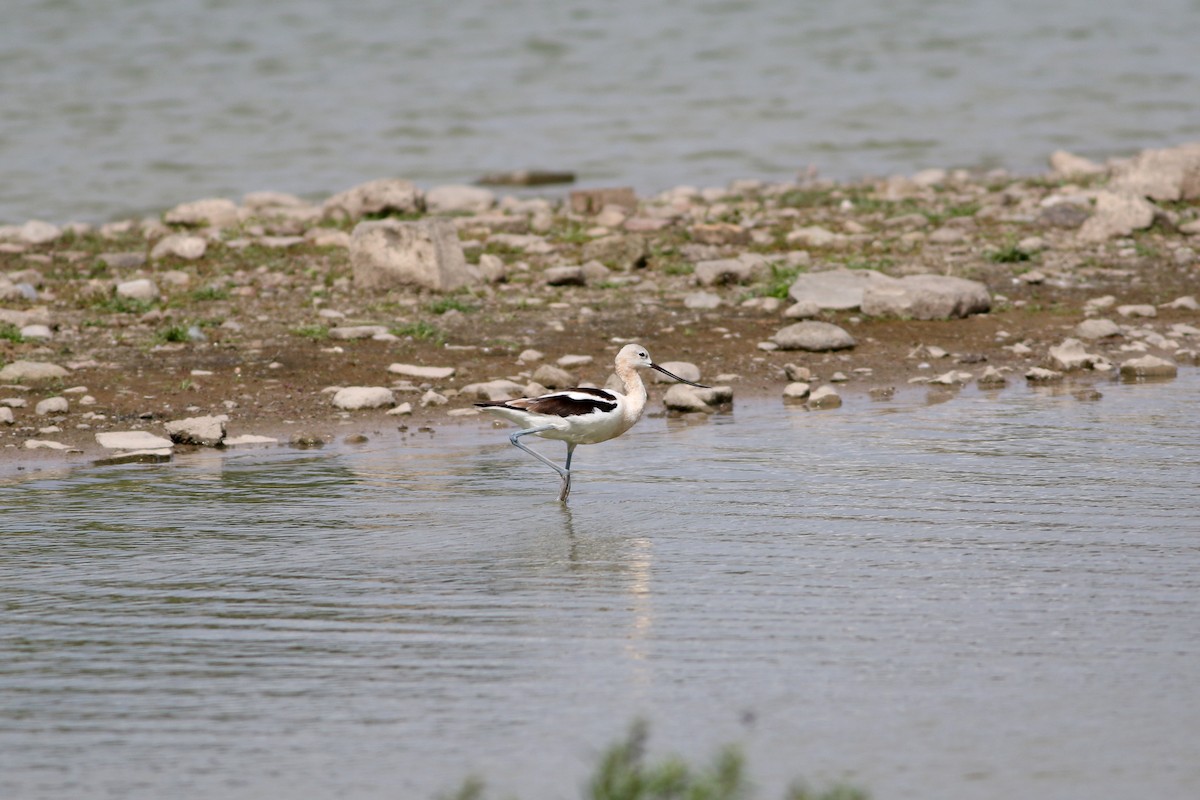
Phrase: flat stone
(6, 415)
(1042, 375)
(19, 371)
(684, 369)
(1097, 329)
(701, 301)
(355, 398)
(52, 405)
(836, 289)
(1169, 174)
(247, 439)
(682, 397)
(1069, 165)
(131, 440)
(1072, 355)
(457, 199)
(425, 373)
(37, 332)
(925, 297)
(797, 390)
(44, 444)
(204, 431)
(123, 261)
(824, 397)
(722, 271)
(493, 391)
(217, 212)
(36, 231)
(553, 377)
(1148, 367)
(382, 196)
(574, 361)
(565, 276)
(357, 331)
(1141, 310)
(1116, 215)
(426, 253)
(593, 201)
(150, 456)
(140, 289)
(991, 378)
(814, 337)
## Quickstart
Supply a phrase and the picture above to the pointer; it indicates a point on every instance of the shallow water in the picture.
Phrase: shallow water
(994, 596)
(132, 106)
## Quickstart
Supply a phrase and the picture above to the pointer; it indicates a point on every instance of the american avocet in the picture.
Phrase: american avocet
(583, 416)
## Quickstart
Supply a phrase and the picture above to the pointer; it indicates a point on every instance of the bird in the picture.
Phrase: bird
(582, 415)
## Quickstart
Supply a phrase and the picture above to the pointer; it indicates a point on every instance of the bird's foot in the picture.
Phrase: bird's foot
(566, 488)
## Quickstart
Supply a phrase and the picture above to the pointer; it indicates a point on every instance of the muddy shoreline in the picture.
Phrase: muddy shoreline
(249, 328)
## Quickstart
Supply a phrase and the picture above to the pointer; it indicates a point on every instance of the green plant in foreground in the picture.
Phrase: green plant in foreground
(421, 331)
(314, 332)
(11, 333)
(625, 773)
(174, 333)
(782, 278)
(1008, 255)
(443, 304)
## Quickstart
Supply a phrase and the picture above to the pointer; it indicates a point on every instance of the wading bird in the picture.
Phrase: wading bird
(583, 416)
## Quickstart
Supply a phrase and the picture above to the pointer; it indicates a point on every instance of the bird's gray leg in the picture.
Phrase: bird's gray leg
(516, 440)
(566, 485)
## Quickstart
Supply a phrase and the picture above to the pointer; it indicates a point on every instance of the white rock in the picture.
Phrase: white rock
(6, 415)
(249, 439)
(1116, 215)
(1071, 355)
(1097, 329)
(1067, 165)
(37, 232)
(925, 297)
(1148, 367)
(43, 444)
(574, 361)
(684, 369)
(140, 289)
(52, 405)
(798, 390)
(432, 398)
(40, 332)
(682, 397)
(815, 236)
(1168, 174)
(131, 440)
(426, 253)
(1042, 375)
(216, 212)
(455, 198)
(375, 197)
(836, 289)
(19, 371)
(553, 377)
(1145, 310)
(813, 336)
(400, 410)
(204, 431)
(493, 391)
(701, 301)
(530, 356)
(824, 397)
(354, 398)
(425, 373)
(357, 331)
(179, 245)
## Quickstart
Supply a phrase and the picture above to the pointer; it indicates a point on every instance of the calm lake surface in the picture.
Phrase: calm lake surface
(995, 596)
(132, 106)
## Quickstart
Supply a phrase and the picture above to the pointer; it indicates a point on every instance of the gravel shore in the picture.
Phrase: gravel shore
(262, 310)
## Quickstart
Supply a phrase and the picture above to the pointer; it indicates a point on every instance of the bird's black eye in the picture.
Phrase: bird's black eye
(641, 355)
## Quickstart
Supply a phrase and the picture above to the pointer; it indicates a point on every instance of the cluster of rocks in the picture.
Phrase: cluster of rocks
(765, 270)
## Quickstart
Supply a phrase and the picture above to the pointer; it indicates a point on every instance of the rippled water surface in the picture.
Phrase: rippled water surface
(990, 597)
(126, 106)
